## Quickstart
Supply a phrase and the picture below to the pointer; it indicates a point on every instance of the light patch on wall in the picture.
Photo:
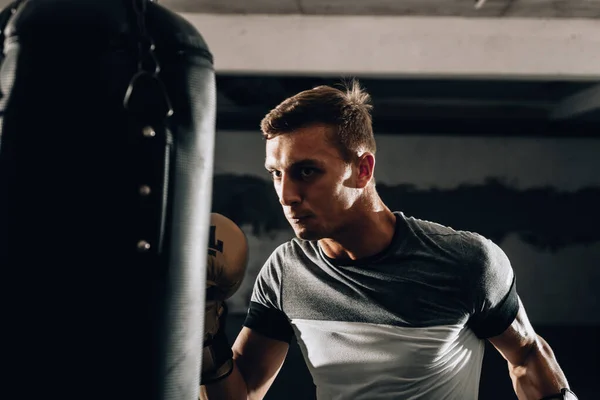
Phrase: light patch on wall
(445, 162)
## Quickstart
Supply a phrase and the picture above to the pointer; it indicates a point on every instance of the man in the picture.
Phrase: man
(383, 306)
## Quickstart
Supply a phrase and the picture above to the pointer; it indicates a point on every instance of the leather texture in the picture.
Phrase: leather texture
(104, 209)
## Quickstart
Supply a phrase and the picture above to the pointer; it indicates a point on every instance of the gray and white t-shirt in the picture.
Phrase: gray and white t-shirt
(407, 323)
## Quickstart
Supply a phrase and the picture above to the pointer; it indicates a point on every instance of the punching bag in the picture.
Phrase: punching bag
(107, 116)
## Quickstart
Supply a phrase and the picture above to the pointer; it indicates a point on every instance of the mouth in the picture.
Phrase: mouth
(298, 219)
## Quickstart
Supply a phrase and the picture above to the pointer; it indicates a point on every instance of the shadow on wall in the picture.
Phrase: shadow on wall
(248, 200)
(545, 218)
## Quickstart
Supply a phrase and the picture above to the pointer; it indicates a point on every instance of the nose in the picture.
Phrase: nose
(289, 191)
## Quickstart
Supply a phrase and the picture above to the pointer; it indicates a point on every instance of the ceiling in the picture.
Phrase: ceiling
(419, 105)
(461, 8)
(434, 8)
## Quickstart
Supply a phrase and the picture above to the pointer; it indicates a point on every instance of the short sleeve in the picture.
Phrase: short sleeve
(494, 298)
(265, 313)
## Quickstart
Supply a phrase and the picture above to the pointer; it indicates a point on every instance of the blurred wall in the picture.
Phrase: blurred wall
(536, 197)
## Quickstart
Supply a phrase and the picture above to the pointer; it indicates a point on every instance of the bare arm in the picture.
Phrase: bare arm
(534, 371)
(257, 361)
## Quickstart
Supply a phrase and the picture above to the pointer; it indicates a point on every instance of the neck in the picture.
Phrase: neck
(369, 232)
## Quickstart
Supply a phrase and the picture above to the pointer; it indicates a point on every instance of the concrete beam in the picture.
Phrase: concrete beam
(578, 104)
(431, 8)
(402, 46)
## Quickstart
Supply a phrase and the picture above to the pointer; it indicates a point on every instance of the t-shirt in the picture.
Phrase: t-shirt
(407, 323)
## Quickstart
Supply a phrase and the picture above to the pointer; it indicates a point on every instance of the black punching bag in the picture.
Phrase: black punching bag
(106, 158)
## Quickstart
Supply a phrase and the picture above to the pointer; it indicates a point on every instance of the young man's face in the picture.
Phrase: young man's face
(314, 184)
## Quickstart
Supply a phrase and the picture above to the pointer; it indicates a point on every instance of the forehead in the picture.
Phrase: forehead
(303, 144)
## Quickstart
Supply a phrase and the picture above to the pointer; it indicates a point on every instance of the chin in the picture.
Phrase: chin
(306, 234)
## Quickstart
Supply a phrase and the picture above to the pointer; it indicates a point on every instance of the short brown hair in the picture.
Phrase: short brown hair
(348, 111)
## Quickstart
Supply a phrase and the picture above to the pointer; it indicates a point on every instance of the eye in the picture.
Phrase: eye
(275, 174)
(307, 172)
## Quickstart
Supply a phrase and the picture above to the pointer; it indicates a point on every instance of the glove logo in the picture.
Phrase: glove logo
(214, 245)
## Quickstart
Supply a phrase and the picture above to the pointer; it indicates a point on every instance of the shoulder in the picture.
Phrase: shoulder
(425, 227)
(437, 238)
(293, 247)
(282, 265)
(291, 253)
(467, 247)
(489, 267)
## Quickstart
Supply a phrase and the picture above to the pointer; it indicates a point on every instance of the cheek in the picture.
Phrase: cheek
(334, 192)
(341, 197)
(277, 189)
(347, 198)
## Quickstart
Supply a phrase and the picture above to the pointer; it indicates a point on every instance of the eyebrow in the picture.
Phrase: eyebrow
(307, 162)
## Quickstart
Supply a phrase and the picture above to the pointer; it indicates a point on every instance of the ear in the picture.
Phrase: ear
(366, 168)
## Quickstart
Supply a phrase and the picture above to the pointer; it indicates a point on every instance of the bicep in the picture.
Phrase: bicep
(518, 340)
(259, 360)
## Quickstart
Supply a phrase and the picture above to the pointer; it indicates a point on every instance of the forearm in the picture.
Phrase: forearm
(231, 388)
(539, 374)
